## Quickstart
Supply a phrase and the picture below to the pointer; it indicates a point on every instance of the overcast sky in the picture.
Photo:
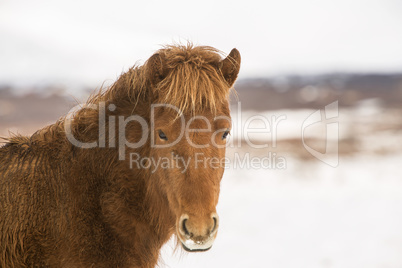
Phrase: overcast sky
(91, 41)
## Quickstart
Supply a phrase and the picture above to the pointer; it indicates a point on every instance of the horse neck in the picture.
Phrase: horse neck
(146, 186)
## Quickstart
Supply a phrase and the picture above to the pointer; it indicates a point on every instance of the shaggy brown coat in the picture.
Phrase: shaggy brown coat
(65, 206)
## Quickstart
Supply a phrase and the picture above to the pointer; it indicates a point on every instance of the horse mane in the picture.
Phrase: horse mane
(193, 83)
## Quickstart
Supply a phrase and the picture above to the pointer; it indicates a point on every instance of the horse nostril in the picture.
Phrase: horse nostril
(186, 232)
(215, 224)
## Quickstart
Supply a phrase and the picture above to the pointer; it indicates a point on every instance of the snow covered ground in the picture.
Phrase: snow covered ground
(309, 215)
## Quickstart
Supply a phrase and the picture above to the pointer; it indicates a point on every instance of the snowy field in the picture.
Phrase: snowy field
(311, 214)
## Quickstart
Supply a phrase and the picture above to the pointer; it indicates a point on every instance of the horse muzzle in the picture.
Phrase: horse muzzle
(197, 234)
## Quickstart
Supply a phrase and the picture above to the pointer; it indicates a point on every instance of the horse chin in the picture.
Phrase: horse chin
(192, 246)
(195, 249)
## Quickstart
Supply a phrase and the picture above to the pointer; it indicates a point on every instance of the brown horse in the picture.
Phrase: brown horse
(108, 185)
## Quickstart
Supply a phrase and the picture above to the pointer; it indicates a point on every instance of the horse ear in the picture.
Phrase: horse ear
(230, 66)
(156, 69)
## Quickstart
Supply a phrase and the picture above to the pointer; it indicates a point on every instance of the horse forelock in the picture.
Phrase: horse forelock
(194, 82)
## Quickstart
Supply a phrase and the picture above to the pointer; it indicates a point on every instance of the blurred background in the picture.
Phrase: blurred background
(331, 195)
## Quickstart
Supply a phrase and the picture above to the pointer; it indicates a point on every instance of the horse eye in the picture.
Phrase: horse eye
(162, 135)
(225, 134)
